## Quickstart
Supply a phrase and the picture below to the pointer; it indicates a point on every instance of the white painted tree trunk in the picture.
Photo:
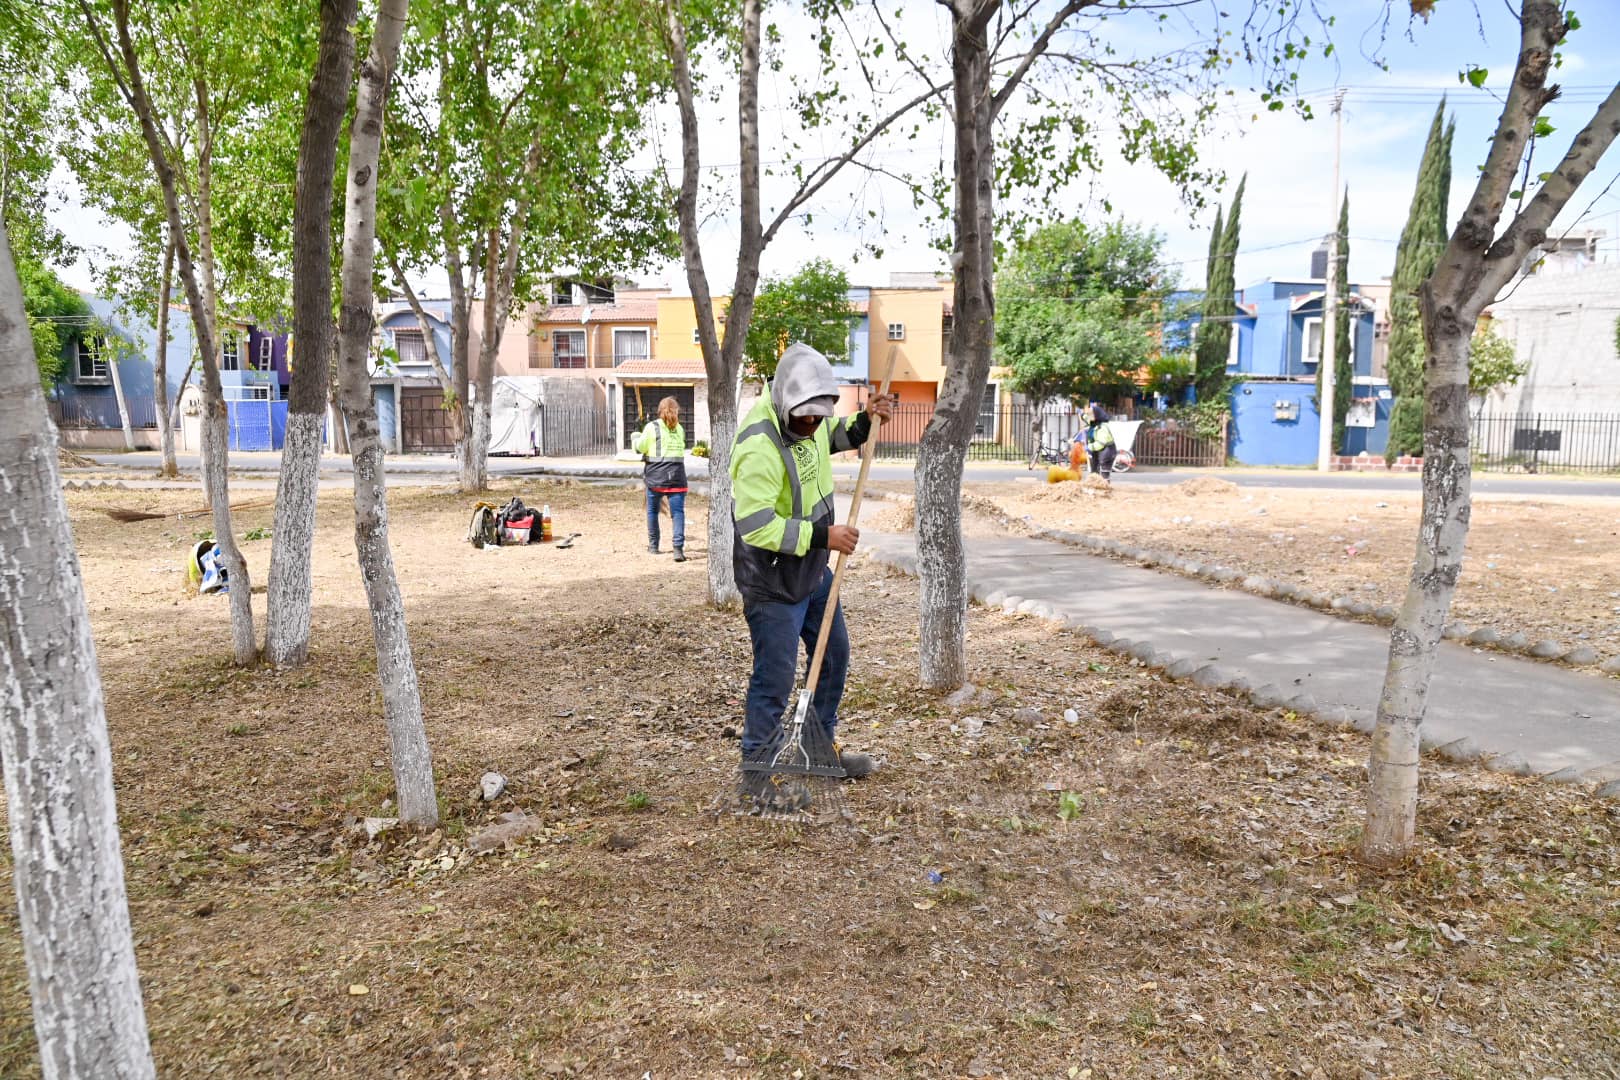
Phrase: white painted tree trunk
(216, 484)
(290, 590)
(160, 367)
(1475, 266)
(474, 459)
(67, 869)
(123, 403)
(396, 668)
(288, 599)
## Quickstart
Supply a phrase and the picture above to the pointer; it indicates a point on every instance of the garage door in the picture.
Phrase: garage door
(425, 426)
(641, 405)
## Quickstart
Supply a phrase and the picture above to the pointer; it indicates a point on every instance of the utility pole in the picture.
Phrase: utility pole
(1330, 306)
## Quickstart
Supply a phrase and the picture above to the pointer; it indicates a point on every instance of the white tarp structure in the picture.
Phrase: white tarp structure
(514, 420)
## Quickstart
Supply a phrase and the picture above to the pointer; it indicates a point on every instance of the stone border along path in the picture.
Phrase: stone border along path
(1515, 715)
(1344, 606)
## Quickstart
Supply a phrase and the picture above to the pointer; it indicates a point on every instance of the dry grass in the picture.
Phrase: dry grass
(1161, 888)
(1546, 567)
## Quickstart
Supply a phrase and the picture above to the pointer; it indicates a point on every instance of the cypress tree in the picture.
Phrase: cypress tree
(1344, 364)
(1220, 302)
(1422, 241)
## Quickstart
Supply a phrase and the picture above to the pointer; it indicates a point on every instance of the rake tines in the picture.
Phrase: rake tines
(794, 777)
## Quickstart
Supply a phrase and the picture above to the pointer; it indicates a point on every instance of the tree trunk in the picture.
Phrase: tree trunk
(72, 907)
(396, 669)
(123, 403)
(941, 561)
(287, 603)
(214, 428)
(1474, 267)
(160, 366)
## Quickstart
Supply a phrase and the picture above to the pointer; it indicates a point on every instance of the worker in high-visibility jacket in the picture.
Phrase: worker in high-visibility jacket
(662, 445)
(1100, 448)
(782, 496)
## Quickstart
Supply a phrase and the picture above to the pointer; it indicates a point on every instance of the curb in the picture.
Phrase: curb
(1516, 644)
(1602, 780)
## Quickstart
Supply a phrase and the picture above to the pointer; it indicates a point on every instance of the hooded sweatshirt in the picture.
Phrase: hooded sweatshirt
(782, 484)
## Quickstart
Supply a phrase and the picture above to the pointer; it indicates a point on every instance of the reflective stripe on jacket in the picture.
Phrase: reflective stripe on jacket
(1099, 436)
(781, 491)
(665, 451)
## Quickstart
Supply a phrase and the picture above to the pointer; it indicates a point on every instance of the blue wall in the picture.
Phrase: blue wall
(1373, 439)
(1259, 438)
(438, 317)
(860, 337)
(95, 404)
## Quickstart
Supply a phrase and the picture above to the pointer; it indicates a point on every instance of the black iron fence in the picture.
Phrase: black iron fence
(100, 410)
(1008, 432)
(1539, 443)
(576, 432)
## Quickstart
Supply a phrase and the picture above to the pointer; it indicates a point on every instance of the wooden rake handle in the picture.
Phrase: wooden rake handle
(868, 448)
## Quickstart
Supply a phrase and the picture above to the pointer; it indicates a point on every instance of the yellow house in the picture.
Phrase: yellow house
(910, 321)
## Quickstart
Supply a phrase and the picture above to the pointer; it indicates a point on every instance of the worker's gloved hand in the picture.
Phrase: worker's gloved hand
(842, 538)
(882, 407)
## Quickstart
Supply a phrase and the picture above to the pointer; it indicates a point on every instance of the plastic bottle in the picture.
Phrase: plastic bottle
(545, 523)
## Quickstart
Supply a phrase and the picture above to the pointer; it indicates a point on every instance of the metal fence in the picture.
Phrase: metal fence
(1540, 443)
(1007, 432)
(576, 432)
(101, 411)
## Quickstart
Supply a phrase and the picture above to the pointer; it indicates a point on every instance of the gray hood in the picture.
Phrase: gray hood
(801, 374)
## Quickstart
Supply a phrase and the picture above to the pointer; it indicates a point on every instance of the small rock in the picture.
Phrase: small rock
(1569, 774)
(376, 826)
(1359, 609)
(620, 842)
(1142, 650)
(496, 836)
(1071, 716)
(1268, 696)
(1547, 649)
(1582, 656)
(1340, 603)
(1209, 675)
(1385, 613)
(1304, 704)
(1455, 631)
(973, 726)
(491, 786)
(1610, 790)
(1182, 668)
(1517, 641)
(1258, 585)
(1510, 762)
(1463, 749)
(1485, 635)
(1611, 666)
(1027, 715)
(962, 697)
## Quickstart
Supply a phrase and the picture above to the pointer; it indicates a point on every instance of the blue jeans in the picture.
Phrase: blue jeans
(677, 512)
(776, 630)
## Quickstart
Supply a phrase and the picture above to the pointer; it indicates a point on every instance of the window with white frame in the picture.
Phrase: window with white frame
(630, 345)
(90, 361)
(1232, 347)
(897, 331)
(1311, 341)
(695, 338)
(568, 348)
(267, 355)
(410, 346)
(230, 357)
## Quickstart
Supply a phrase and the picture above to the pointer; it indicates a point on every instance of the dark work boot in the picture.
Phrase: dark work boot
(652, 549)
(857, 766)
(680, 554)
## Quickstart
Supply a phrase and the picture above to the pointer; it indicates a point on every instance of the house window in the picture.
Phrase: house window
(629, 345)
(695, 339)
(985, 426)
(91, 361)
(266, 354)
(230, 355)
(411, 347)
(1311, 350)
(897, 331)
(1232, 349)
(568, 348)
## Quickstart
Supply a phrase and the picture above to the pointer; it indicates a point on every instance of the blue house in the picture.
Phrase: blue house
(1276, 348)
(410, 401)
(253, 374)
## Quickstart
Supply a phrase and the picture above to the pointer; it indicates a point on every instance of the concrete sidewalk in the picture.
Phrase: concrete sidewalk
(1519, 715)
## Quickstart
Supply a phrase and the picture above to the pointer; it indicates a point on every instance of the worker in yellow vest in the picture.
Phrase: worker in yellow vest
(662, 445)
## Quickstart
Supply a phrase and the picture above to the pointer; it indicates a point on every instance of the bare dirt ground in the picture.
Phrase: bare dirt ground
(1545, 567)
(1160, 888)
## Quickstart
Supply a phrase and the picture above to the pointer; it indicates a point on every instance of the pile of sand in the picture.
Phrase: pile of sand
(67, 459)
(1204, 485)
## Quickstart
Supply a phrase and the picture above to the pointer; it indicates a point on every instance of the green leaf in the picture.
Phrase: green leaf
(1477, 76)
(1543, 128)
(1516, 194)
(1070, 805)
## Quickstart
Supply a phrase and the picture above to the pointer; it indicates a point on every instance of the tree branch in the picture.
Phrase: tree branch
(1053, 25)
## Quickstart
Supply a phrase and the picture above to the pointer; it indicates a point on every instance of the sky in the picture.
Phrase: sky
(1289, 202)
